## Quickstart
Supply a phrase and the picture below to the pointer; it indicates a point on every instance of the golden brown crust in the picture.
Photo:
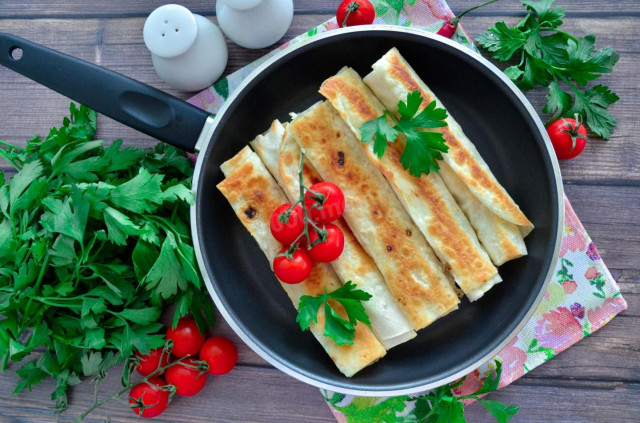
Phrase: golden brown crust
(379, 220)
(475, 176)
(427, 199)
(254, 194)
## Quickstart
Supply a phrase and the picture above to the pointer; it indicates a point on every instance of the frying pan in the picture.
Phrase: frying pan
(493, 113)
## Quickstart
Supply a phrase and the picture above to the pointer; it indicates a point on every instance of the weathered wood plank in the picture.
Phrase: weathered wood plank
(117, 44)
(241, 396)
(81, 9)
(246, 394)
(572, 401)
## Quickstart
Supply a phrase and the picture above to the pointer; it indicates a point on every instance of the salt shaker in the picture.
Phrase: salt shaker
(188, 51)
(254, 23)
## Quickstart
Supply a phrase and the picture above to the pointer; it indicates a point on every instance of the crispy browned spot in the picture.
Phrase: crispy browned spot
(340, 155)
(250, 212)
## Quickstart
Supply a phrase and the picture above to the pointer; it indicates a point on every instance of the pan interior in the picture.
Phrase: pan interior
(493, 117)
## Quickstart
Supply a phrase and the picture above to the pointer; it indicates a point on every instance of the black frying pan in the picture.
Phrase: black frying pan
(495, 114)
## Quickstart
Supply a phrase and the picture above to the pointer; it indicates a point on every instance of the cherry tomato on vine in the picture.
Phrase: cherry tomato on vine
(331, 208)
(188, 377)
(568, 137)
(287, 232)
(331, 248)
(150, 394)
(355, 12)
(292, 270)
(220, 354)
(186, 337)
(150, 363)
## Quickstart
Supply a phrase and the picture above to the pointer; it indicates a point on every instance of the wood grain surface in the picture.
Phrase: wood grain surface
(596, 380)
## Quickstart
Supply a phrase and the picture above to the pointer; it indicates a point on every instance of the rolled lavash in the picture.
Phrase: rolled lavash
(254, 195)
(376, 217)
(391, 79)
(282, 159)
(426, 199)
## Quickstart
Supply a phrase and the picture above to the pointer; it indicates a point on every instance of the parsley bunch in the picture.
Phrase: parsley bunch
(342, 331)
(553, 58)
(95, 243)
(422, 148)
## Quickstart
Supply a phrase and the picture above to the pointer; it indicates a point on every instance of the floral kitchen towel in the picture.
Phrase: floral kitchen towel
(581, 298)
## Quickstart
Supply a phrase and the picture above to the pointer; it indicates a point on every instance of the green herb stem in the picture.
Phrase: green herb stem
(116, 395)
(36, 287)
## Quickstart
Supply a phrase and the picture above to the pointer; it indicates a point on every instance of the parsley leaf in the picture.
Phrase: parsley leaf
(422, 147)
(550, 57)
(341, 330)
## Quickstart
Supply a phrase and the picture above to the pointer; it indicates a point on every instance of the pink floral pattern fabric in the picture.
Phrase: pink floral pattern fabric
(581, 298)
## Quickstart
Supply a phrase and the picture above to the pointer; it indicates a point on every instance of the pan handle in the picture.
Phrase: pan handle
(126, 100)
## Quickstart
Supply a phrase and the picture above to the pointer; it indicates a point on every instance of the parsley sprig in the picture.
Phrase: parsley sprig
(422, 148)
(553, 58)
(440, 405)
(341, 330)
(95, 243)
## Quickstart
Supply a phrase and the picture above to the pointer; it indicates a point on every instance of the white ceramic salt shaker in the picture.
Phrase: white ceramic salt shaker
(188, 51)
(254, 23)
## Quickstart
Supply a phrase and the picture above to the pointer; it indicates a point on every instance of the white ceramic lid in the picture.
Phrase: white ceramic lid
(241, 4)
(170, 30)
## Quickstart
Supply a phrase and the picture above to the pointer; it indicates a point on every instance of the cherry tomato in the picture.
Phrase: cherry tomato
(187, 379)
(150, 363)
(292, 270)
(331, 208)
(287, 232)
(355, 12)
(186, 337)
(220, 354)
(151, 395)
(330, 249)
(568, 137)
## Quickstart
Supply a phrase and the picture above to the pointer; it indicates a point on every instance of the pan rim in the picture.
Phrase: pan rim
(203, 147)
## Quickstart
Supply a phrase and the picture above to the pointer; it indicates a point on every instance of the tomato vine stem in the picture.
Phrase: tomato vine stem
(318, 198)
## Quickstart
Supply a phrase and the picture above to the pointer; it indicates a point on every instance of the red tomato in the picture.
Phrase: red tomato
(187, 377)
(355, 12)
(186, 337)
(292, 270)
(220, 354)
(150, 363)
(149, 394)
(568, 137)
(287, 232)
(330, 249)
(331, 208)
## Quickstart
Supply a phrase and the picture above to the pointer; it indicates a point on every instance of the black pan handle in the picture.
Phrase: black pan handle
(126, 100)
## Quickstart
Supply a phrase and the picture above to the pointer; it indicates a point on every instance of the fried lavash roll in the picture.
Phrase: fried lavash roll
(503, 240)
(249, 186)
(388, 321)
(376, 217)
(391, 79)
(426, 199)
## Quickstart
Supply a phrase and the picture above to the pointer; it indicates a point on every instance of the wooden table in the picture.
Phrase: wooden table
(596, 380)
